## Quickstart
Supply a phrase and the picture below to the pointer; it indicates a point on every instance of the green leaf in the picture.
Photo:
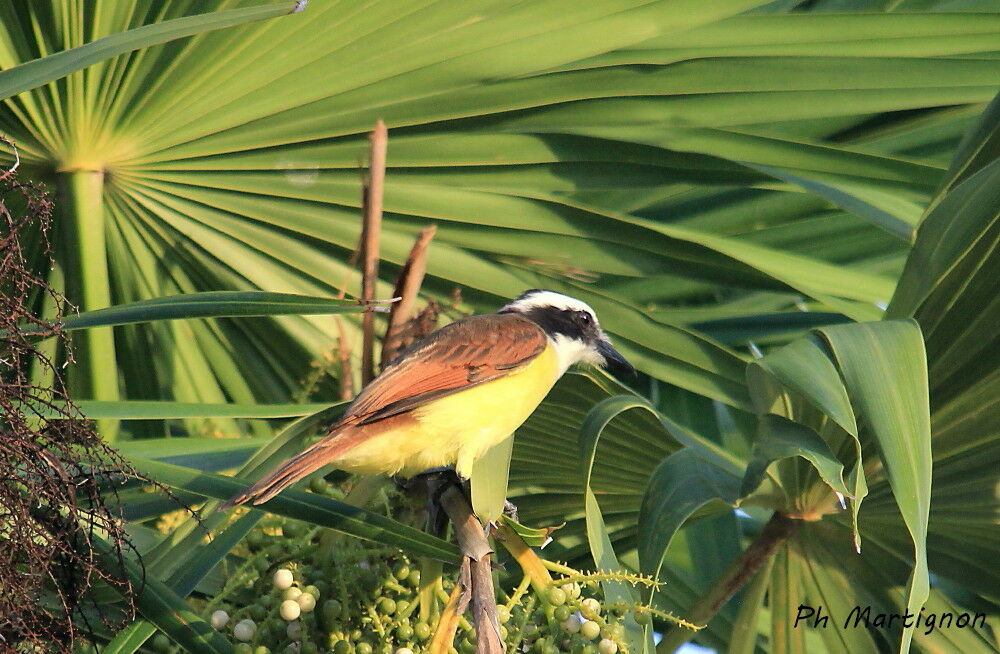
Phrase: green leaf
(805, 368)
(162, 607)
(980, 147)
(896, 215)
(48, 69)
(166, 410)
(309, 507)
(683, 483)
(785, 593)
(780, 438)
(532, 536)
(885, 372)
(211, 304)
(638, 637)
(746, 629)
(133, 636)
(489, 480)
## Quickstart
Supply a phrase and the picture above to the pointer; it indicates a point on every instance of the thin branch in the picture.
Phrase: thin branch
(344, 357)
(531, 564)
(777, 530)
(407, 286)
(371, 233)
(473, 544)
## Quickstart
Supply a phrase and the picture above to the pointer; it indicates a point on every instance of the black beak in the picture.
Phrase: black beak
(614, 362)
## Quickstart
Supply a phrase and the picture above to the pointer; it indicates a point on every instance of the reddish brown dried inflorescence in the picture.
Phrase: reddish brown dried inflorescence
(53, 465)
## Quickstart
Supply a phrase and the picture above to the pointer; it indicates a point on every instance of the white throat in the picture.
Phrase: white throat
(570, 350)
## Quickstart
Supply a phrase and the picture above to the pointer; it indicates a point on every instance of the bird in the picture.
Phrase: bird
(447, 399)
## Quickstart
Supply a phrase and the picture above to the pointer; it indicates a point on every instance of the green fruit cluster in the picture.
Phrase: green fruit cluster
(303, 590)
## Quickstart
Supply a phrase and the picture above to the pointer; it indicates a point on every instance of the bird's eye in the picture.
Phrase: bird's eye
(583, 318)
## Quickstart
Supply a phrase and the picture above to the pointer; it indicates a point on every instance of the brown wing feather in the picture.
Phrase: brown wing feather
(465, 353)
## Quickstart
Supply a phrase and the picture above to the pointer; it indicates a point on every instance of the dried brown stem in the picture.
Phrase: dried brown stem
(370, 235)
(473, 544)
(344, 357)
(407, 286)
(777, 530)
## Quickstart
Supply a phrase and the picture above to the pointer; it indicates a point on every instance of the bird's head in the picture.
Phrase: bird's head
(573, 328)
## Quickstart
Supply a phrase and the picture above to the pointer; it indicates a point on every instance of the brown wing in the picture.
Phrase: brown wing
(465, 353)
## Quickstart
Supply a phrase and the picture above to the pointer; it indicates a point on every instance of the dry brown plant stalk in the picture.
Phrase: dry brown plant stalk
(55, 471)
(370, 235)
(411, 277)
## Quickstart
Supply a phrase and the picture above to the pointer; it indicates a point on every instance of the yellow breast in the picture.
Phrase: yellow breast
(459, 428)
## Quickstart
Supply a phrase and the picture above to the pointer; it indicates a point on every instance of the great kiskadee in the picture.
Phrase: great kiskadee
(449, 398)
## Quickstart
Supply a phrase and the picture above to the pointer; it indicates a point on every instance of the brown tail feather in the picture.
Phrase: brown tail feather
(288, 473)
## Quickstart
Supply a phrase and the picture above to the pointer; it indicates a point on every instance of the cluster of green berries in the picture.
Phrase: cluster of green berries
(298, 592)
(567, 618)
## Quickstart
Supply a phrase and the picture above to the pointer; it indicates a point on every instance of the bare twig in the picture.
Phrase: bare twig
(777, 530)
(473, 544)
(371, 232)
(344, 357)
(407, 286)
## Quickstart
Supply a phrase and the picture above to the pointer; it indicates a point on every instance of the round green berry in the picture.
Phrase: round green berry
(306, 602)
(283, 578)
(331, 610)
(363, 648)
(290, 610)
(607, 647)
(422, 631)
(414, 579)
(386, 606)
(590, 608)
(292, 593)
(243, 648)
(556, 596)
(590, 630)
(293, 529)
(562, 613)
(401, 571)
(404, 631)
(342, 647)
(262, 649)
(642, 618)
(312, 590)
(318, 485)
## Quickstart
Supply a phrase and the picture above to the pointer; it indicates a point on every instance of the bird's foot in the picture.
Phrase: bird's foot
(510, 510)
(435, 482)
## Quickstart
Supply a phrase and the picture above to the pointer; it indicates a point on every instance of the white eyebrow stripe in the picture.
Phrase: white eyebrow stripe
(550, 299)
